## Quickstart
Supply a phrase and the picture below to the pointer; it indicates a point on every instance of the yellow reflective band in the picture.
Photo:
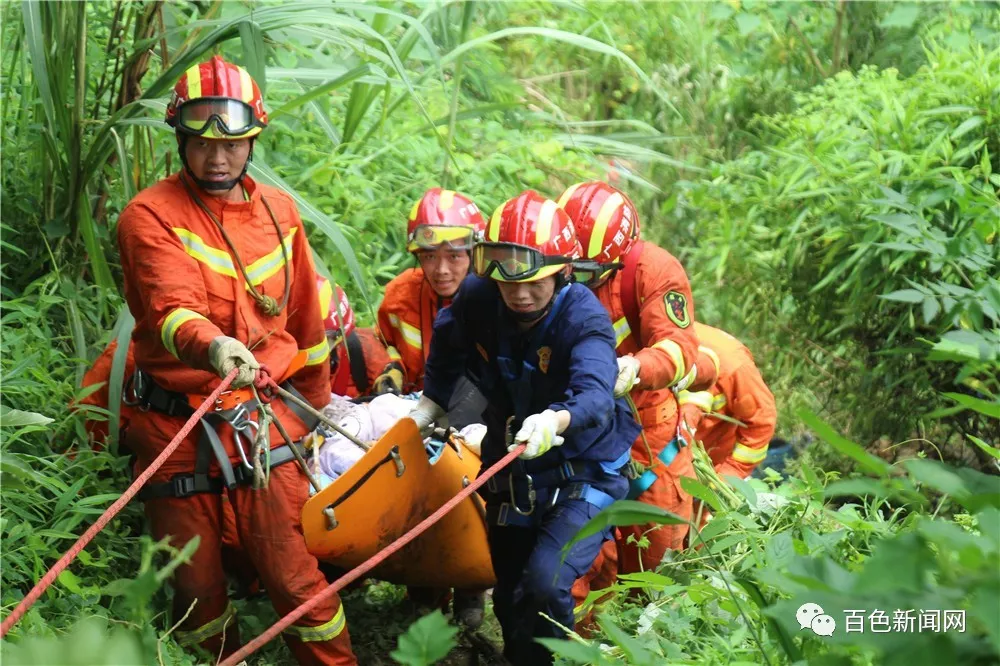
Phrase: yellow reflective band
(744, 454)
(712, 355)
(394, 354)
(689, 378)
(217, 260)
(172, 323)
(207, 630)
(622, 331)
(673, 350)
(193, 75)
(411, 334)
(447, 200)
(613, 203)
(325, 298)
(700, 399)
(493, 231)
(719, 403)
(246, 86)
(324, 632)
(413, 211)
(317, 353)
(568, 194)
(543, 227)
(272, 262)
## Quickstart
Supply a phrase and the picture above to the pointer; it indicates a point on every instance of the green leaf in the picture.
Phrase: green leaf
(624, 512)
(904, 296)
(903, 15)
(426, 641)
(991, 409)
(993, 451)
(747, 23)
(966, 127)
(577, 653)
(698, 490)
(973, 490)
(901, 563)
(635, 653)
(866, 461)
(16, 418)
(254, 55)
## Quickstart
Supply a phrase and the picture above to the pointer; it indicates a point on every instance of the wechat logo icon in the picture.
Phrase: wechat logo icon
(812, 617)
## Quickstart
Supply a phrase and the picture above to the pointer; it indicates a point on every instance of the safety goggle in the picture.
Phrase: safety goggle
(431, 237)
(232, 117)
(509, 262)
(590, 273)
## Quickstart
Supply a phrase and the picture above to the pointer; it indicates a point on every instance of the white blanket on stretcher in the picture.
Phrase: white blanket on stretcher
(368, 422)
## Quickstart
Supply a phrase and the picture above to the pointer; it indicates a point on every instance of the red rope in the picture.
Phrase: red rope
(47, 580)
(366, 566)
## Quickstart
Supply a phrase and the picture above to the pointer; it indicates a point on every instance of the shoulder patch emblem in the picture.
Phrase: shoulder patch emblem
(676, 305)
(544, 356)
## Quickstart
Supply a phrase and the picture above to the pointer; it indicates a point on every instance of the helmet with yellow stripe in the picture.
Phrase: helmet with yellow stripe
(528, 238)
(217, 100)
(444, 218)
(607, 225)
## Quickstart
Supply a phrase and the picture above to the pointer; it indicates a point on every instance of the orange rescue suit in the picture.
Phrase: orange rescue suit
(184, 289)
(406, 321)
(666, 346)
(739, 393)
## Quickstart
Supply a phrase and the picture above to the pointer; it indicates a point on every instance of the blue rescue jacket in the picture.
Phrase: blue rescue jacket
(566, 362)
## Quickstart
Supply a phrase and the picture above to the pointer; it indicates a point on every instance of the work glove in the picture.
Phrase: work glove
(628, 375)
(425, 414)
(390, 381)
(538, 432)
(225, 353)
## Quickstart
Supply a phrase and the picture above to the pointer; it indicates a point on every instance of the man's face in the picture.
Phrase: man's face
(524, 297)
(445, 269)
(217, 160)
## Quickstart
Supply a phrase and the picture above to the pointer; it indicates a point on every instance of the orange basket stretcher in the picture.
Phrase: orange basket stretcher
(388, 492)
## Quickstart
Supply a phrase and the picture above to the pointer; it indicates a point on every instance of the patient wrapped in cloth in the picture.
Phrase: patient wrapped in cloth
(333, 453)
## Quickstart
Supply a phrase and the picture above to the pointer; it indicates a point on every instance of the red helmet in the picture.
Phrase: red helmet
(528, 238)
(217, 100)
(338, 317)
(444, 217)
(607, 223)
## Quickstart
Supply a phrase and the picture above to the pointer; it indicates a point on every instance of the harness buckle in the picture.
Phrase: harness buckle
(532, 495)
(183, 485)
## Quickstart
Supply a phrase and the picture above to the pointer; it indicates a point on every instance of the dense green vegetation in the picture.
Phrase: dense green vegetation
(828, 172)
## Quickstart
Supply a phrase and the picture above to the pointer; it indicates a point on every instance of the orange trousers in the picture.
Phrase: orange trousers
(619, 556)
(268, 527)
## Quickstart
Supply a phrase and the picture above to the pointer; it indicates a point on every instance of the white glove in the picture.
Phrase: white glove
(539, 432)
(425, 414)
(628, 375)
(225, 353)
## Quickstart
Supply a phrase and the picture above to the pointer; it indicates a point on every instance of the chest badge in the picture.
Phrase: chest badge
(544, 356)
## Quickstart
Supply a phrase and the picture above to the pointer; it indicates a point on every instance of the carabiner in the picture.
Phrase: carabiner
(531, 495)
(242, 423)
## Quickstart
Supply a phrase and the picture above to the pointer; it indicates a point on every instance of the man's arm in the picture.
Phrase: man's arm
(751, 402)
(449, 353)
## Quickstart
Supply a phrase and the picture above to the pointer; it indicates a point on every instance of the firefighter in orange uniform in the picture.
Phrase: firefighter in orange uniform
(739, 393)
(357, 355)
(646, 292)
(443, 227)
(219, 276)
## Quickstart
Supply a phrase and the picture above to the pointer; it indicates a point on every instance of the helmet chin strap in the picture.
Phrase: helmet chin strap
(212, 185)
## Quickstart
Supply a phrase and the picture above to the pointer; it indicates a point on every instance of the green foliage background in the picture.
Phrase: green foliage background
(828, 173)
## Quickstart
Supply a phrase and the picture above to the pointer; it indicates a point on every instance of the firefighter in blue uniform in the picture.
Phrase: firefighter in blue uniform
(542, 351)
